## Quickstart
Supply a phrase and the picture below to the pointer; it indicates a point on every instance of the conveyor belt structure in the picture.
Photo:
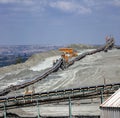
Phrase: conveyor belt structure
(58, 96)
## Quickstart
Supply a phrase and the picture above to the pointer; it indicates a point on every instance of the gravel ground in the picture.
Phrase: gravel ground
(95, 69)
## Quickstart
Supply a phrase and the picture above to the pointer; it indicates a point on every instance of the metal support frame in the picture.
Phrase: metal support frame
(70, 108)
(38, 108)
(4, 110)
(99, 90)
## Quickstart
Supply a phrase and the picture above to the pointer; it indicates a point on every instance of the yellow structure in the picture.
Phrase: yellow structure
(27, 91)
(68, 53)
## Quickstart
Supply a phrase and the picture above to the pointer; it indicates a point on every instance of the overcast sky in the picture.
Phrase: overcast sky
(58, 22)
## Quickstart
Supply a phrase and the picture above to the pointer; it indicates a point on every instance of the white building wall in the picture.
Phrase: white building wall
(110, 113)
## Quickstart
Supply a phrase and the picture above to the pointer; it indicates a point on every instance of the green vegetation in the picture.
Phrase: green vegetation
(19, 60)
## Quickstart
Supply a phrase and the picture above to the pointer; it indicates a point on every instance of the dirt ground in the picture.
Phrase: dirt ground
(96, 69)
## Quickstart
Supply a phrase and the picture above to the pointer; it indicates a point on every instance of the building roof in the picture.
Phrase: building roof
(112, 101)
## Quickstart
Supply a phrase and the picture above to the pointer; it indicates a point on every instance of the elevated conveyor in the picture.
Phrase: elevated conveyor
(58, 96)
(109, 44)
(54, 68)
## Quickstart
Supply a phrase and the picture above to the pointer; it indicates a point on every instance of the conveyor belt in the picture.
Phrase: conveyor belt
(36, 79)
(51, 70)
(57, 96)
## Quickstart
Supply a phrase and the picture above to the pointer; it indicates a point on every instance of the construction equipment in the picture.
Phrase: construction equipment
(68, 53)
(109, 43)
(27, 91)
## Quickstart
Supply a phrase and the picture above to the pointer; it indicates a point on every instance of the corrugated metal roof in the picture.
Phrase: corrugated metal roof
(112, 101)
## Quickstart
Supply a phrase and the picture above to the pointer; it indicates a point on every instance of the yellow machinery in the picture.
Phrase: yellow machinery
(68, 53)
(27, 91)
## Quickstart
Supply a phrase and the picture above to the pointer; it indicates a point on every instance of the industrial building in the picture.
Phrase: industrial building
(111, 107)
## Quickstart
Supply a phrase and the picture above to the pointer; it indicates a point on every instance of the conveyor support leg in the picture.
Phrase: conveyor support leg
(70, 108)
(101, 97)
(38, 108)
(4, 111)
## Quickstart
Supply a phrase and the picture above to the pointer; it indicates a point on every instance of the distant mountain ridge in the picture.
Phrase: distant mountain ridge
(82, 46)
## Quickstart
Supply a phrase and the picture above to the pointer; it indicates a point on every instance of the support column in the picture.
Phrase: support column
(101, 96)
(4, 110)
(70, 108)
(38, 108)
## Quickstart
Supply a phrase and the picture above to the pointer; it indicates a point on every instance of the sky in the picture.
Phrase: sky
(58, 22)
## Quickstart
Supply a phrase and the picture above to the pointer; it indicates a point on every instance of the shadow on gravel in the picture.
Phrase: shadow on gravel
(12, 115)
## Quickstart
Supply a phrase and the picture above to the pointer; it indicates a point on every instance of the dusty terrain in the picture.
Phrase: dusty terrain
(100, 68)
